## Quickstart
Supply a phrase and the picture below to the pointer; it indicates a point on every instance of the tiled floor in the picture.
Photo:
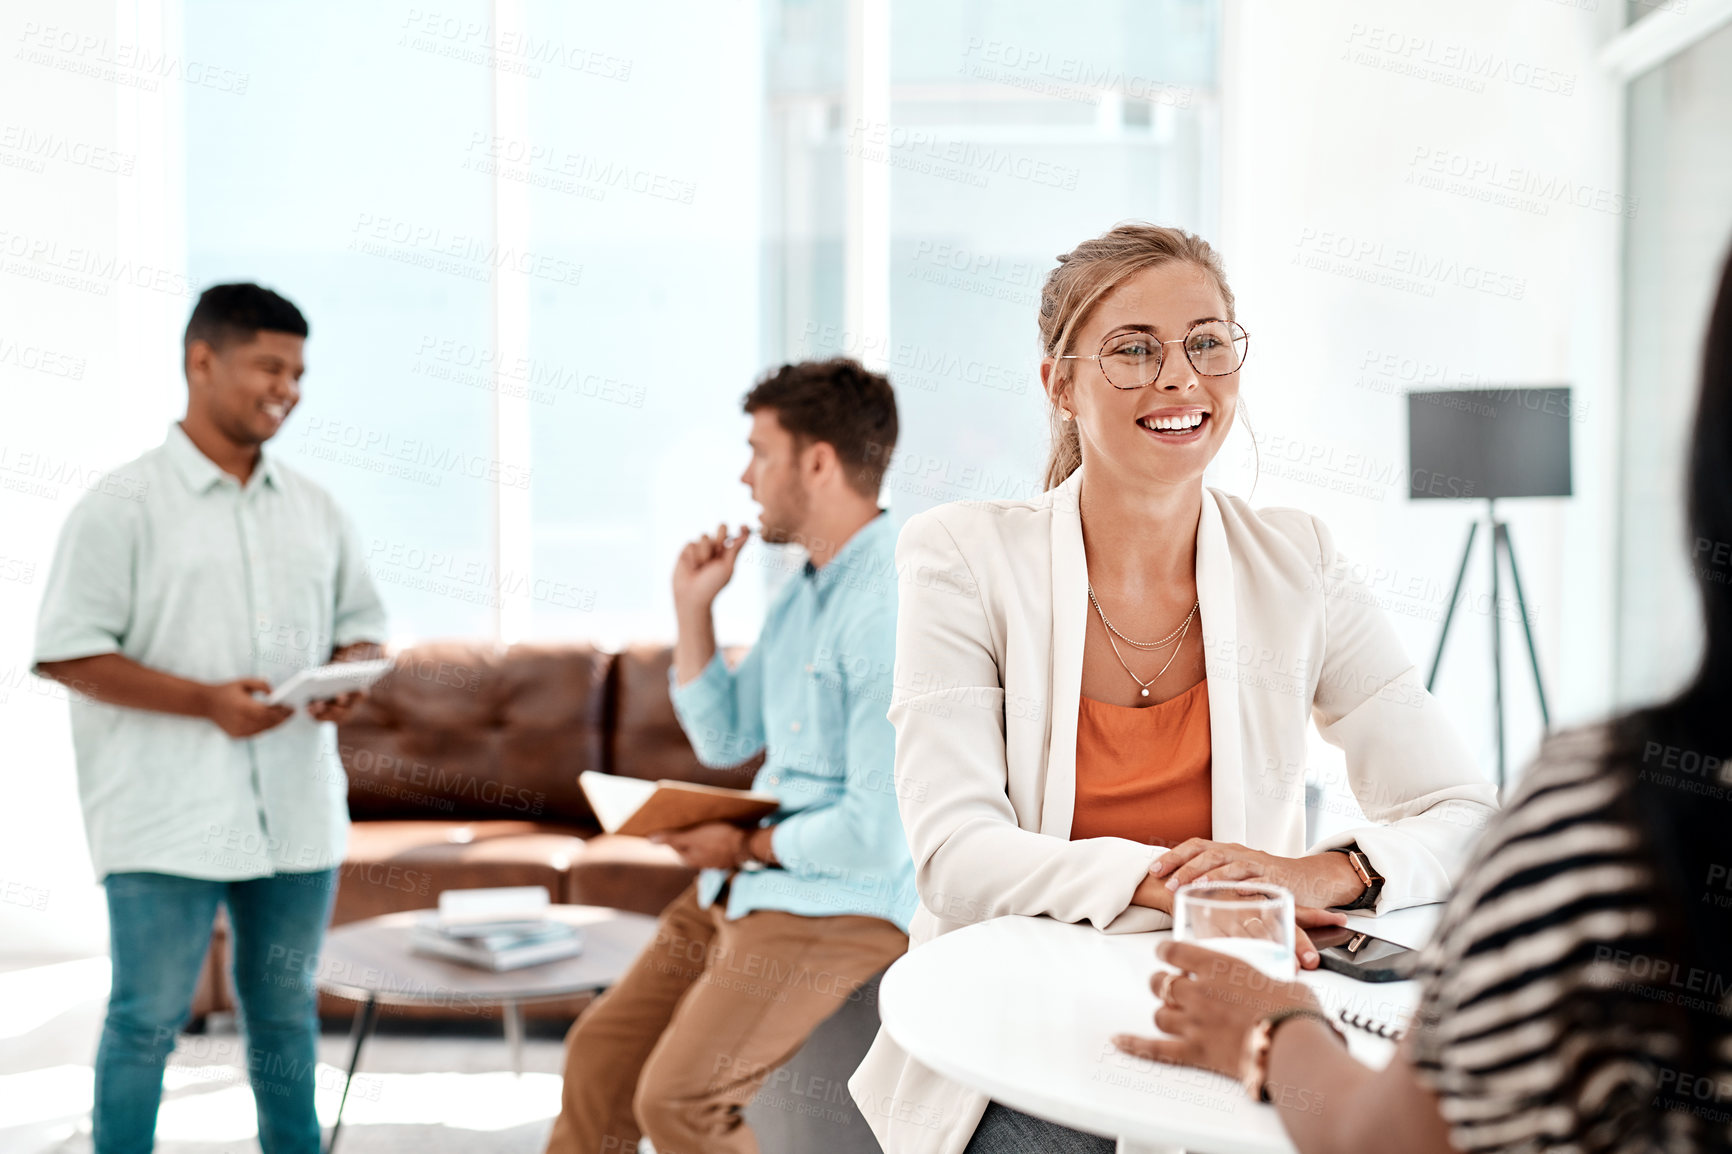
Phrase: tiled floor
(426, 1093)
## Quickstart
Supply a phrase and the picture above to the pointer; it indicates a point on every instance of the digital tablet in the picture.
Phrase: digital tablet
(327, 681)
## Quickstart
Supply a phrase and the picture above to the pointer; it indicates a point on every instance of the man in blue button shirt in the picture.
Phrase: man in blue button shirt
(200, 574)
(786, 920)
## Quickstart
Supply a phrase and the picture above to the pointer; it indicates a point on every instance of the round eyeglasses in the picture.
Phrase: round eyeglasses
(1133, 360)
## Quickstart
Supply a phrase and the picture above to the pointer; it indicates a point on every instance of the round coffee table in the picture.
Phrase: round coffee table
(370, 962)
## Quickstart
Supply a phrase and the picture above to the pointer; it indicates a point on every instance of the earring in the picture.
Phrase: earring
(1064, 414)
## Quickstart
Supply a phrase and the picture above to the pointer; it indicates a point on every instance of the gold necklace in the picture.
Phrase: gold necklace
(1183, 631)
(1161, 644)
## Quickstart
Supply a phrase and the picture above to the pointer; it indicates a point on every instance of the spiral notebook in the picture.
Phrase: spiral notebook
(1370, 1024)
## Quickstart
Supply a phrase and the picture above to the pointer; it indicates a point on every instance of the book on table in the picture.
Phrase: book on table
(493, 905)
(498, 929)
(630, 805)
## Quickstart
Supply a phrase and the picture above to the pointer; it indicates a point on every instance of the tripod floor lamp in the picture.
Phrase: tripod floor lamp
(1490, 445)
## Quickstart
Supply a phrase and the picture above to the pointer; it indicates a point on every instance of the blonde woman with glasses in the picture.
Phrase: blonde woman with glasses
(1104, 692)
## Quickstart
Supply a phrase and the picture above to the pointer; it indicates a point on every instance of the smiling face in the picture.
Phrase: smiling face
(1167, 433)
(247, 388)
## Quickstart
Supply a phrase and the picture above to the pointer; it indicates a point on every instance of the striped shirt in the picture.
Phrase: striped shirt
(1551, 1014)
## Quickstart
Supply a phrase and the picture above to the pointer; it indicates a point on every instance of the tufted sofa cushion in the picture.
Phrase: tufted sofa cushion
(646, 739)
(460, 731)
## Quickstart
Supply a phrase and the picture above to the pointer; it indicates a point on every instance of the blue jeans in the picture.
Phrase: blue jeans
(1006, 1131)
(160, 926)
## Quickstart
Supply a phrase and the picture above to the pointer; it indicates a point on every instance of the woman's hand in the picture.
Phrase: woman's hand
(1210, 1007)
(1153, 893)
(1311, 918)
(1321, 880)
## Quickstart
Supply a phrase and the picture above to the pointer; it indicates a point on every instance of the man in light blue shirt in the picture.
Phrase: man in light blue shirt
(207, 571)
(788, 919)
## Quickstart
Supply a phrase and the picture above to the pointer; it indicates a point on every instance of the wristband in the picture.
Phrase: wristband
(1263, 1037)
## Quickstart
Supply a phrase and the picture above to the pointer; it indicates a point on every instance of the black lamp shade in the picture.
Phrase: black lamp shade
(1489, 443)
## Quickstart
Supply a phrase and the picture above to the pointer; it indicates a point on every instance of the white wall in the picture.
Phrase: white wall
(1334, 114)
(92, 297)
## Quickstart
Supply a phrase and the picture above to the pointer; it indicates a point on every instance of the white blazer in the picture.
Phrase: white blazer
(993, 606)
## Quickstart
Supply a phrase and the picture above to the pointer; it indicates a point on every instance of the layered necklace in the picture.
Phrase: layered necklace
(1176, 639)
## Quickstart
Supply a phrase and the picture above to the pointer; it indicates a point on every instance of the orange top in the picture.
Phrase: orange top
(1143, 773)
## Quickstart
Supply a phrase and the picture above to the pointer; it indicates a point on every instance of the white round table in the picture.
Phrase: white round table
(1023, 1009)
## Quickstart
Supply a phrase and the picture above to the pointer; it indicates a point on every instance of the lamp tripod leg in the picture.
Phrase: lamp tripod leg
(1449, 612)
(1527, 623)
(1497, 528)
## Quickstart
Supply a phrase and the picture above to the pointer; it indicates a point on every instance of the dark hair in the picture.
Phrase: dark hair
(231, 313)
(837, 402)
(1684, 829)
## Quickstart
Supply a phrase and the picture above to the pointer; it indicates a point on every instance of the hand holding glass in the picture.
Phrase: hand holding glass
(1252, 921)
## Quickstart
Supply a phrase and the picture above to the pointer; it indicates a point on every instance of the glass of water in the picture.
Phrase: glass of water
(1251, 921)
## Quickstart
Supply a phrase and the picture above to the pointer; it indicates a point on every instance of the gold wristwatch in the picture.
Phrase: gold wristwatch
(1367, 874)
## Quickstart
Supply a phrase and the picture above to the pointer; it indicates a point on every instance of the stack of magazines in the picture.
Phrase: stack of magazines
(495, 929)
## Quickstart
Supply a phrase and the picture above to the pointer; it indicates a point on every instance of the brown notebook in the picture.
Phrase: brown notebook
(630, 805)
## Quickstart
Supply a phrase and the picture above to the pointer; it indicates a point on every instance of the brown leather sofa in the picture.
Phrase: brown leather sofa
(462, 769)
(463, 765)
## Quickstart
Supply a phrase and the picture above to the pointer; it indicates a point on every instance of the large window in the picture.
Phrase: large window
(392, 261)
(565, 243)
(804, 208)
(533, 291)
(647, 178)
(1017, 131)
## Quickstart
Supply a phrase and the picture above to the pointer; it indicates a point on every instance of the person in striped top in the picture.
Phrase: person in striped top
(1578, 995)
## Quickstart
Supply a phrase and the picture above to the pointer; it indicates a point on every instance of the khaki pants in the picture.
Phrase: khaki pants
(708, 1010)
